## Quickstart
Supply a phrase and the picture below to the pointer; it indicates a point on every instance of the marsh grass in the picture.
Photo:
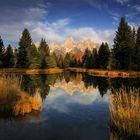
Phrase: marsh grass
(15, 101)
(125, 111)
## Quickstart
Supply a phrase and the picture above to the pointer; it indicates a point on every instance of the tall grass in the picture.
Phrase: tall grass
(125, 111)
(26, 104)
(13, 100)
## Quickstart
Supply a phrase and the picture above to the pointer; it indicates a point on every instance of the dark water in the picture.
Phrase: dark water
(75, 107)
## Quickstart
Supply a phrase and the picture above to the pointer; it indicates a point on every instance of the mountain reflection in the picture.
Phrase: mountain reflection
(71, 82)
(63, 105)
(82, 88)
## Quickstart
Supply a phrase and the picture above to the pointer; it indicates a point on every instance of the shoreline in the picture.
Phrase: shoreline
(107, 73)
(31, 71)
(91, 72)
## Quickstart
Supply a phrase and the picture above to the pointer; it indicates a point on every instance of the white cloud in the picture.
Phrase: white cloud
(47, 31)
(122, 1)
(137, 7)
(55, 97)
(90, 33)
(58, 31)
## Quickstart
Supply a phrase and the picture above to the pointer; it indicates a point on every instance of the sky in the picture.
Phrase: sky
(57, 20)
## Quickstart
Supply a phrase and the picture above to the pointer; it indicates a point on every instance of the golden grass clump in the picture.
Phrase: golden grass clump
(125, 111)
(26, 104)
(14, 100)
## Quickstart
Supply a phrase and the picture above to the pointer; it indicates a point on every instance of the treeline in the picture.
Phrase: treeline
(27, 55)
(125, 54)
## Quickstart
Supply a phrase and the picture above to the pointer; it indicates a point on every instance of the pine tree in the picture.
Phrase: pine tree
(94, 58)
(2, 51)
(123, 47)
(9, 57)
(44, 52)
(15, 53)
(137, 50)
(86, 58)
(103, 56)
(24, 44)
(33, 57)
(112, 61)
(134, 34)
(22, 58)
(26, 40)
(51, 61)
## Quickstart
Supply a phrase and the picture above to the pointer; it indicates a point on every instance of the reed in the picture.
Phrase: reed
(15, 101)
(125, 111)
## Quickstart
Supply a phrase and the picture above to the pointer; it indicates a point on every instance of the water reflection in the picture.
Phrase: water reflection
(74, 106)
(76, 81)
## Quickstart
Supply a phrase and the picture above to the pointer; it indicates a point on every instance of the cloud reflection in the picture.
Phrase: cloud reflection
(61, 100)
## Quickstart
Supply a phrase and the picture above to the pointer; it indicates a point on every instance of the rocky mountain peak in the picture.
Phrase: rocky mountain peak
(70, 46)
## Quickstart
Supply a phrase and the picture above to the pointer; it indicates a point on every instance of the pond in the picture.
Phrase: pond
(75, 106)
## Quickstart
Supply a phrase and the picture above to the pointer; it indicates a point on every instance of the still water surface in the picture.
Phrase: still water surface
(74, 107)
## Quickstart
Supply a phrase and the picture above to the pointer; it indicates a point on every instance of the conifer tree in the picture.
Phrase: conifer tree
(24, 44)
(86, 58)
(9, 57)
(137, 50)
(51, 61)
(26, 40)
(103, 56)
(2, 51)
(44, 52)
(112, 61)
(33, 57)
(94, 58)
(22, 58)
(123, 47)
(15, 52)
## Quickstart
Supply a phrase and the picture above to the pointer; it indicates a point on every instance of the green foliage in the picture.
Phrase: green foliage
(51, 61)
(94, 58)
(103, 56)
(44, 52)
(33, 57)
(22, 58)
(86, 58)
(137, 51)
(112, 61)
(25, 40)
(2, 51)
(24, 44)
(15, 53)
(9, 57)
(125, 54)
(124, 46)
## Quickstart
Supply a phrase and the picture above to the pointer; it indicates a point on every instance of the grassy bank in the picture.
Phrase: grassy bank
(125, 112)
(32, 71)
(13, 100)
(107, 73)
(92, 72)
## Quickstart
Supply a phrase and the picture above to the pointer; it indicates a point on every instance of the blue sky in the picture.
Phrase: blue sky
(57, 20)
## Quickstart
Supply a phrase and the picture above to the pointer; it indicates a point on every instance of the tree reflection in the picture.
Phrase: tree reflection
(101, 82)
(128, 83)
(38, 83)
(41, 83)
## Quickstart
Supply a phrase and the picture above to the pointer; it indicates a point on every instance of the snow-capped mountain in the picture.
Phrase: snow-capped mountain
(72, 46)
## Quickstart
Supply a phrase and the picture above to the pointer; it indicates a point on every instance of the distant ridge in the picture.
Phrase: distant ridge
(72, 46)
